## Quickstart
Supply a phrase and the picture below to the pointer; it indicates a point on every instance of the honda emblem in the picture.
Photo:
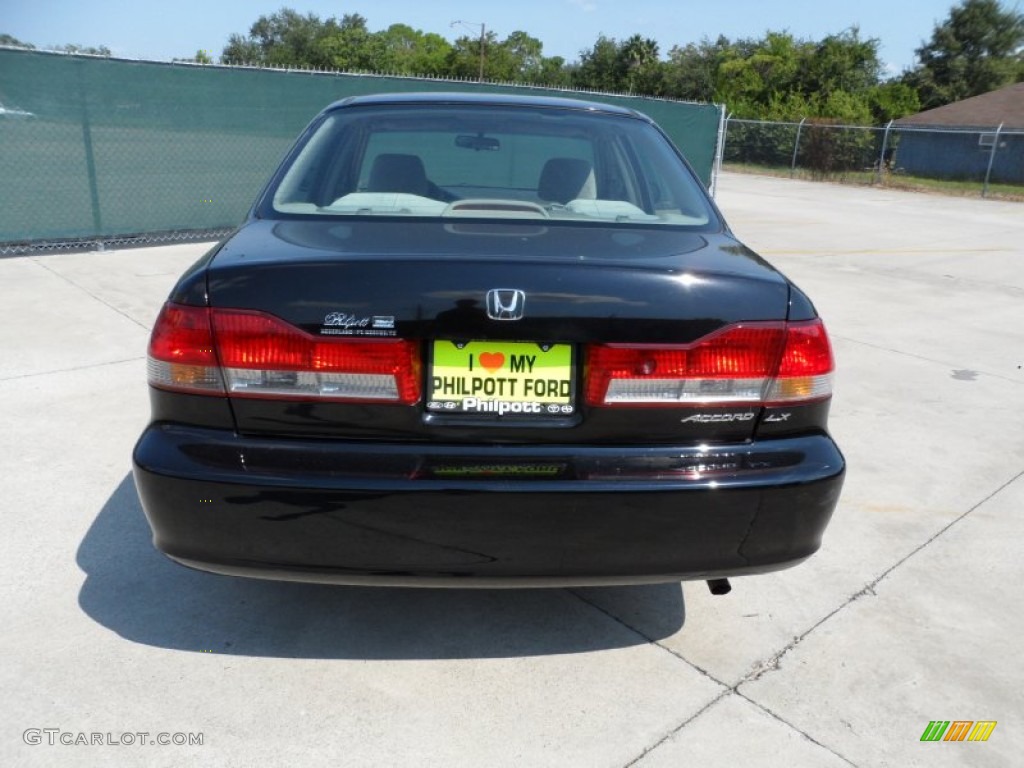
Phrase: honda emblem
(506, 304)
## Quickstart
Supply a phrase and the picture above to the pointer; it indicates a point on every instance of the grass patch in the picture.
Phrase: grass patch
(890, 180)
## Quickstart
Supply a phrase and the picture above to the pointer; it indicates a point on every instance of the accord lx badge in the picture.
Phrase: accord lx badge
(718, 418)
(505, 304)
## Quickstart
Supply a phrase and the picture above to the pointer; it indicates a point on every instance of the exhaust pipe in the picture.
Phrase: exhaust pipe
(719, 586)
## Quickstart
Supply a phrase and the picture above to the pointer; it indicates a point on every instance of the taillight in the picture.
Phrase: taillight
(747, 363)
(181, 355)
(260, 355)
(805, 371)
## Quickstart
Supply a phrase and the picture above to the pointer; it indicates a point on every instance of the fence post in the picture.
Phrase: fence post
(723, 127)
(90, 160)
(991, 160)
(881, 157)
(796, 146)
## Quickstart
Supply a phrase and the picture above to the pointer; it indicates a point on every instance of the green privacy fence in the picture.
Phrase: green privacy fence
(95, 148)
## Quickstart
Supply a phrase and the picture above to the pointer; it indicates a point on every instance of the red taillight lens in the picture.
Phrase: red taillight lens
(260, 355)
(263, 356)
(805, 371)
(744, 363)
(181, 354)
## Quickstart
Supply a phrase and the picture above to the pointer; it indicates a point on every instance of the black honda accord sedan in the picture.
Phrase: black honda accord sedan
(487, 340)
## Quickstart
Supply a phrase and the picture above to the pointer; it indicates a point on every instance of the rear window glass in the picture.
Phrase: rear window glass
(490, 162)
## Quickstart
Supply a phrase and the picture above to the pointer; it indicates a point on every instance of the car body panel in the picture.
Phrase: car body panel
(322, 489)
(366, 512)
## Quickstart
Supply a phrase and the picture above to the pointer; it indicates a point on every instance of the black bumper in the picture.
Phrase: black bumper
(352, 513)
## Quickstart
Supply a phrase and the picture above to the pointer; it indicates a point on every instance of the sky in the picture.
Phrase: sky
(147, 29)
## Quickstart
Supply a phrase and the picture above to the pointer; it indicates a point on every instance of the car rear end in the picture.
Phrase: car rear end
(461, 380)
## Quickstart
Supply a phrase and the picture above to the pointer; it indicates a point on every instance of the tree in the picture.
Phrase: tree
(201, 57)
(526, 54)
(760, 79)
(893, 100)
(283, 39)
(287, 38)
(100, 50)
(631, 65)
(409, 51)
(601, 68)
(975, 50)
(691, 72)
(775, 77)
(642, 66)
(6, 39)
(242, 50)
(464, 58)
(842, 62)
(554, 72)
(783, 78)
(347, 45)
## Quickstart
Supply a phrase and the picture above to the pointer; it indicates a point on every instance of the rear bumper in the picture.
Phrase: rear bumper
(443, 515)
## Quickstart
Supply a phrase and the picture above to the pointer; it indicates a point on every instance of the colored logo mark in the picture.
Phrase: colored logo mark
(958, 730)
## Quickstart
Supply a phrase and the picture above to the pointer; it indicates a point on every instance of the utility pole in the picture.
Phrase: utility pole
(483, 40)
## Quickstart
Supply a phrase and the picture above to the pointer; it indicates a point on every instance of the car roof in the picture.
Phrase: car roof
(486, 99)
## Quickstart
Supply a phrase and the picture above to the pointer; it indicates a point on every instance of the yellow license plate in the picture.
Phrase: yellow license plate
(501, 378)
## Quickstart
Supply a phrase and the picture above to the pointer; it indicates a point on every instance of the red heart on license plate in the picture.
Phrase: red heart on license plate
(492, 361)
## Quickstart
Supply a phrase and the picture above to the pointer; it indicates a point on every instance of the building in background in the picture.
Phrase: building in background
(956, 141)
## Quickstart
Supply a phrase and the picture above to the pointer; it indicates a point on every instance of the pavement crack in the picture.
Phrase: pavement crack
(89, 293)
(775, 661)
(727, 689)
(647, 637)
(678, 728)
(802, 732)
(71, 369)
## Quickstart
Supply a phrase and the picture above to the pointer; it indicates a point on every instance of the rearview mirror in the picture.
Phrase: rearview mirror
(477, 143)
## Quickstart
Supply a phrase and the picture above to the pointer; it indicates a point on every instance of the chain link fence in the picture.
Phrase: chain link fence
(96, 149)
(985, 160)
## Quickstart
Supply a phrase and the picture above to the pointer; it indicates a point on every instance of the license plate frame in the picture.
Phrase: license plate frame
(502, 380)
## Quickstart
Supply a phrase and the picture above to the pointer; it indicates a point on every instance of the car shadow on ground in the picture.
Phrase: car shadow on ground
(138, 593)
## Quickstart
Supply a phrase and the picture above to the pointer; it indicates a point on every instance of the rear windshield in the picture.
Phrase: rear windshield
(490, 162)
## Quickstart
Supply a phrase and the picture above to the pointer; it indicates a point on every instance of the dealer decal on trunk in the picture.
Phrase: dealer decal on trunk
(346, 324)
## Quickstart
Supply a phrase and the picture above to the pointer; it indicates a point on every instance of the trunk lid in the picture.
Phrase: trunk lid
(427, 281)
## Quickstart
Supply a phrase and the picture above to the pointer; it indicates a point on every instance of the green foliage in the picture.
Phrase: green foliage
(642, 66)
(100, 50)
(519, 57)
(692, 71)
(6, 39)
(289, 39)
(774, 77)
(827, 148)
(632, 65)
(347, 45)
(465, 57)
(601, 68)
(285, 39)
(201, 57)
(977, 49)
(408, 51)
(892, 100)
(782, 78)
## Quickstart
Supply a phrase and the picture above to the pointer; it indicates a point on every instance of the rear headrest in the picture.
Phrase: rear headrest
(566, 178)
(398, 173)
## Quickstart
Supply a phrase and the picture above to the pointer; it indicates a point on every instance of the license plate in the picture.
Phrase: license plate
(502, 379)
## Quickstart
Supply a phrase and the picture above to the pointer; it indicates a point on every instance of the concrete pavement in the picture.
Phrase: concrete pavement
(909, 613)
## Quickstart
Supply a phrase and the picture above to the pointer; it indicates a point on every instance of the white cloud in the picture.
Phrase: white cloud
(584, 5)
